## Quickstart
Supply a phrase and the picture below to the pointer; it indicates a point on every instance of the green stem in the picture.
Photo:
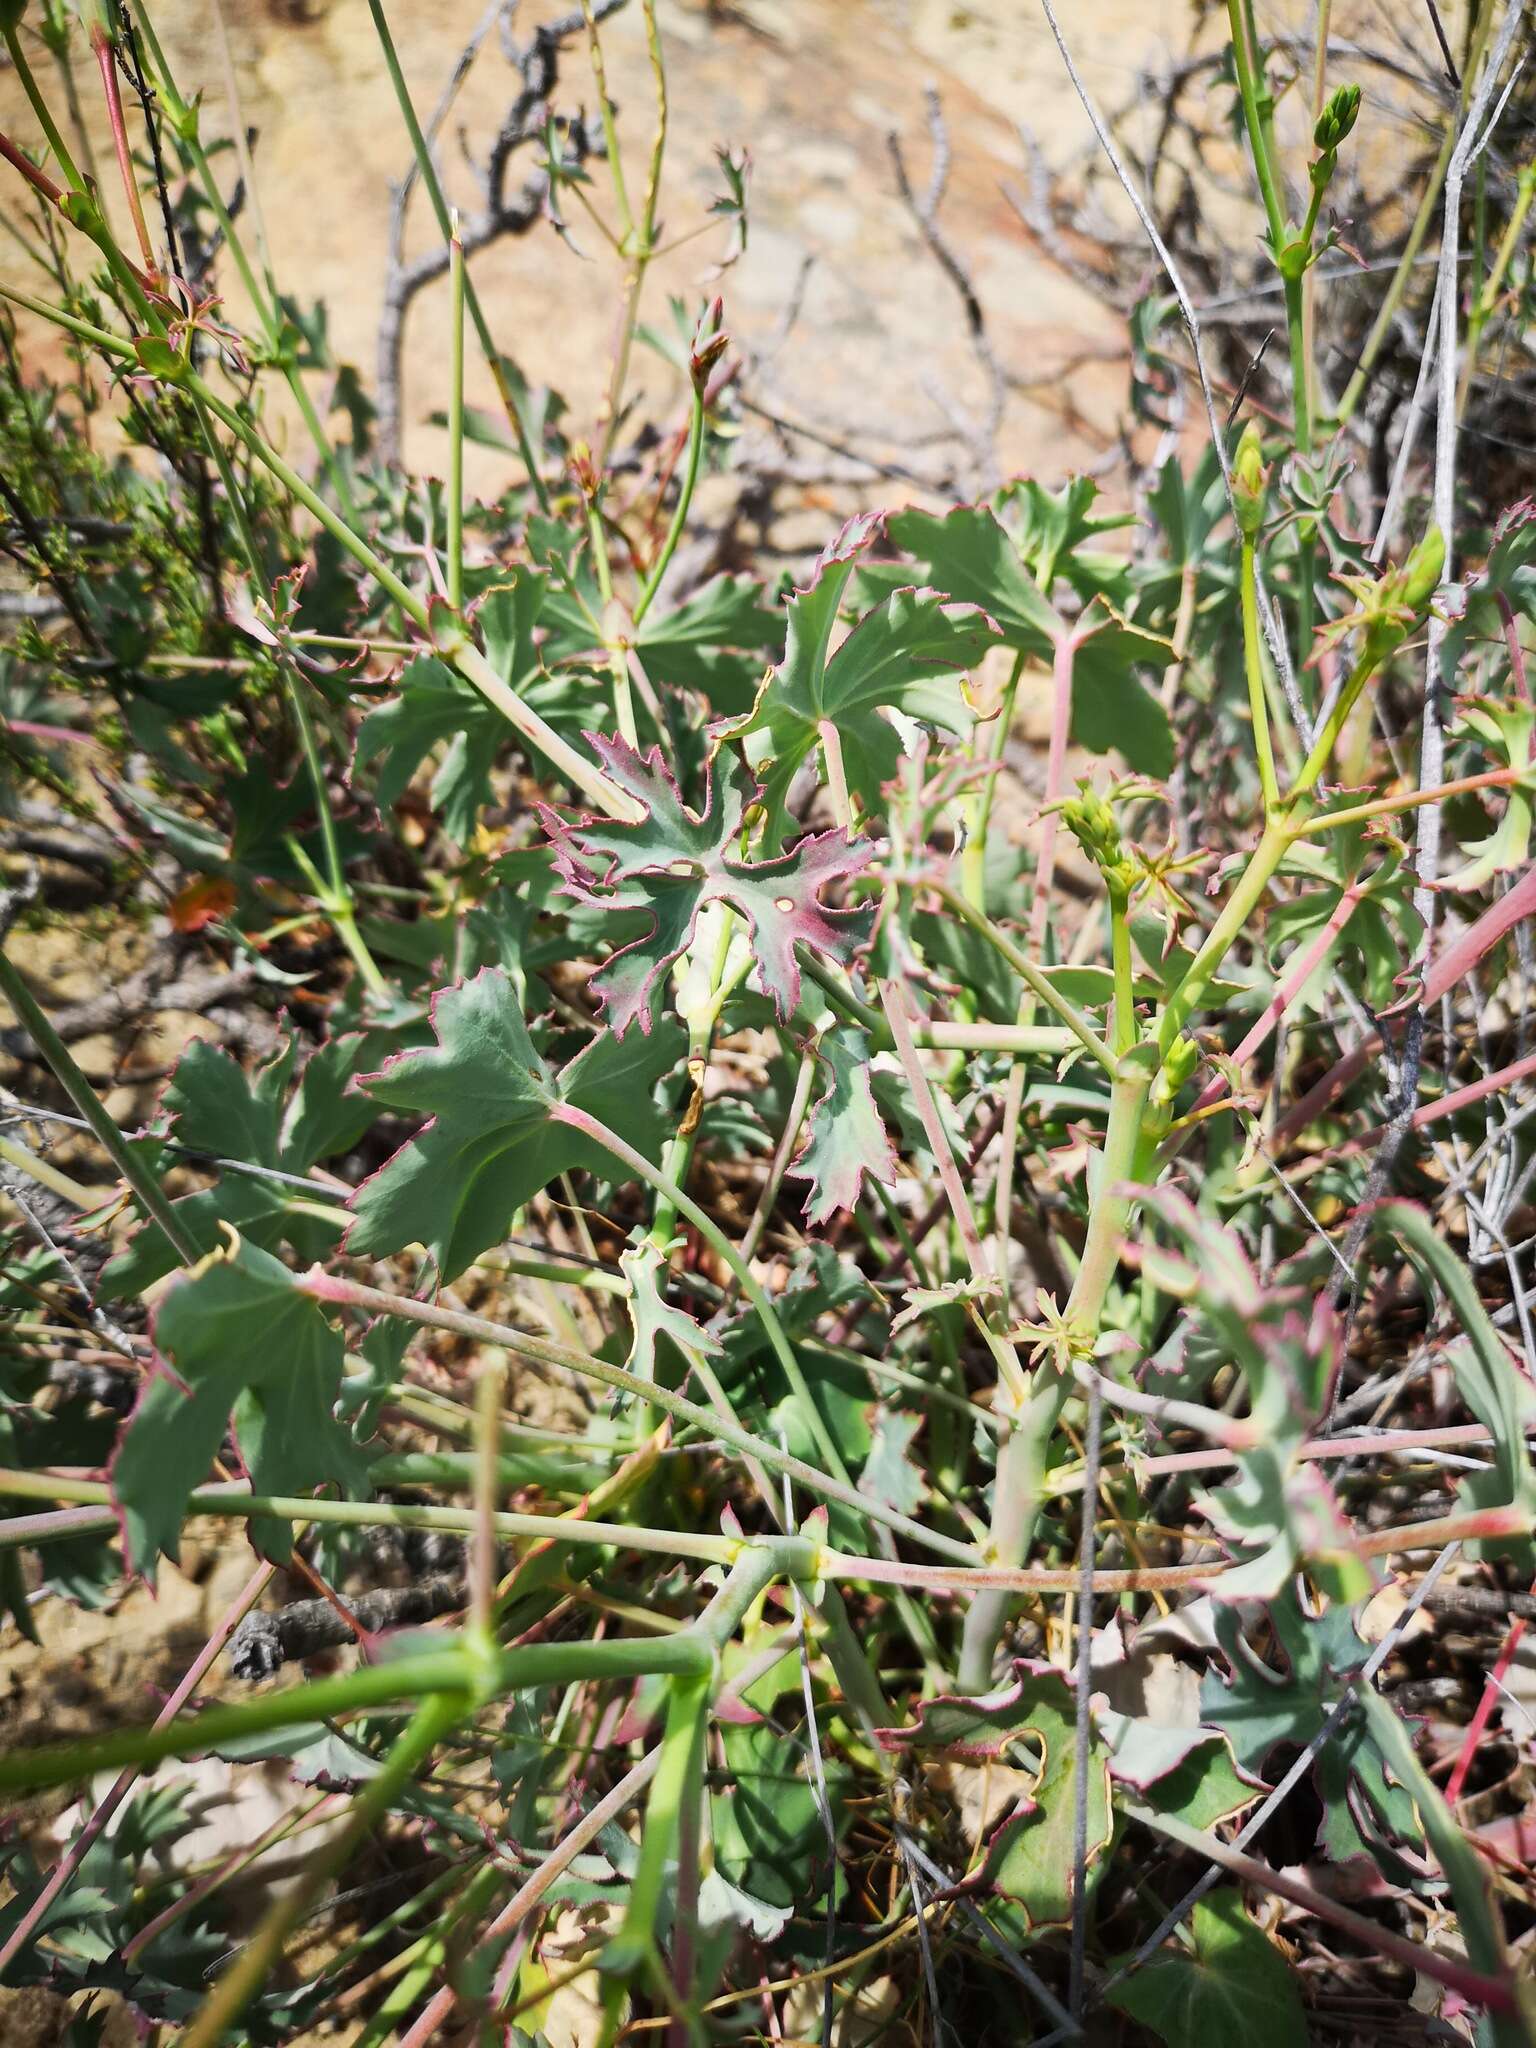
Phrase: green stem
(1074, 1019)
(1328, 738)
(81, 134)
(369, 1686)
(714, 1236)
(973, 859)
(333, 892)
(83, 330)
(310, 499)
(1246, 59)
(150, 1196)
(40, 109)
(1024, 1457)
(636, 240)
(1301, 381)
(1125, 980)
(184, 120)
(335, 895)
(614, 159)
(1408, 800)
(677, 1775)
(1306, 601)
(473, 666)
(14, 1153)
(680, 510)
(1258, 119)
(1049, 1041)
(1253, 658)
(1240, 905)
(342, 918)
(1477, 1913)
(1323, 26)
(232, 1503)
(468, 659)
(329, 1287)
(451, 1671)
(422, 1962)
(618, 663)
(1279, 829)
(678, 1158)
(426, 170)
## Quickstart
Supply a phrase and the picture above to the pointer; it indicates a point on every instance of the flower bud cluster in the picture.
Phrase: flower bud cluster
(1091, 820)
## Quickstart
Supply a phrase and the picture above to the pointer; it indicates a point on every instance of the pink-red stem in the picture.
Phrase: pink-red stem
(1463, 953)
(106, 58)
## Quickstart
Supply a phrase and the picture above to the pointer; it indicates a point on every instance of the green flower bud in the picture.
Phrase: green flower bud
(1337, 118)
(159, 360)
(11, 12)
(1179, 1065)
(1120, 877)
(82, 212)
(1093, 824)
(1423, 569)
(710, 342)
(1249, 485)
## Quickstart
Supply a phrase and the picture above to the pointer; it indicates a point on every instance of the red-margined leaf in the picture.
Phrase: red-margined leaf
(673, 861)
(1031, 1858)
(845, 1136)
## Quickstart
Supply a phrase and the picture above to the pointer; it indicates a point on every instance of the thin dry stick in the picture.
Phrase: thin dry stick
(1164, 255)
(1180, 292)
(1475, 136)
(980, 436)
(1386, 526)
(1068, 2029)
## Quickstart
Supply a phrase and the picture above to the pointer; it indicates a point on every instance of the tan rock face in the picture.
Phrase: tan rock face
(812, 89)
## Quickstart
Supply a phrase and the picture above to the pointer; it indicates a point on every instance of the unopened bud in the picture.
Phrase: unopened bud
(710, 342)
(1337, 118)
(1423, 569)
(584, 471)
(1180, 1062)
(82, 212)
(1249, 485)
(1093, 825)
